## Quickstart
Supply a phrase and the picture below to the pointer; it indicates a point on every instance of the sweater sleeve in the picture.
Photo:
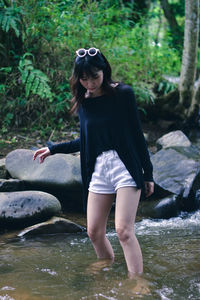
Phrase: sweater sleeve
(136, 127)
(68, 147)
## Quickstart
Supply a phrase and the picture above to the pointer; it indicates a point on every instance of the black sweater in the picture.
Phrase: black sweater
(110, 123)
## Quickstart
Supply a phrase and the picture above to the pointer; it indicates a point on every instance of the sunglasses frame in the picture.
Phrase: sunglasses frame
(87, 52)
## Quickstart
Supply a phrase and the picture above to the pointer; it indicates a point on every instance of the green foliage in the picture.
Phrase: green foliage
(10, 18)
(144, 94)
(35, 81)
(35, 90)
(165, 87)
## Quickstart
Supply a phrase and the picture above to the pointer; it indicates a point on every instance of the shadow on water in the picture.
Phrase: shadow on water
(57, 266)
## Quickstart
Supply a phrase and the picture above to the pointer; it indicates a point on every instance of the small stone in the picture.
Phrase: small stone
(52, 226)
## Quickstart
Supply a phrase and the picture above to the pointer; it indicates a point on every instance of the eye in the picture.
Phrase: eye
(84, 78)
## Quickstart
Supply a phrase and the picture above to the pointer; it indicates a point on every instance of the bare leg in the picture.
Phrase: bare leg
(98, 209)
(126, 207)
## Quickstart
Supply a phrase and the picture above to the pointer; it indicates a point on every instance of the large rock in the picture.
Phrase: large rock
(52, 226)
(177, 174)
(28, 207)
(3, 168)
(173, 139)
(58, 175)
(59, 170)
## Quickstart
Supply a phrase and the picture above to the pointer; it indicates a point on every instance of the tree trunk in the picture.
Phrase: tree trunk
(174, 27)
(194, 108)
(189, 59)
(169, 15)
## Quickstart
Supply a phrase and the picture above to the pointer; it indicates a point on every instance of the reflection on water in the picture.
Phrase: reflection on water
(57, 266)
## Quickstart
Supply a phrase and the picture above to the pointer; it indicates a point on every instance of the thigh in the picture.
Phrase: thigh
(98, 209)
(126, 206)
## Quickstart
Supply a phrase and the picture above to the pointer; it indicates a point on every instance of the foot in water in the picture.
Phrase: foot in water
(136, 286)
(100, 265)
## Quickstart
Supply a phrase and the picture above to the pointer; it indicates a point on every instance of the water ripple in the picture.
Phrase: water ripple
(185, 220)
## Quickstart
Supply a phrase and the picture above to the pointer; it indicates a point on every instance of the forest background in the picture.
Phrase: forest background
(143, 41)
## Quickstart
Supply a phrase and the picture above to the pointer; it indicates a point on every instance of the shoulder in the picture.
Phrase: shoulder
(124, 89)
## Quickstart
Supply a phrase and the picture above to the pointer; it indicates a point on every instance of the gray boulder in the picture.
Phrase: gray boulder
(173, 139)
(28, 207)
(173, 171)
(176, 173)
(57, 171)
(3, 168)
(52, 226)
(58, 175)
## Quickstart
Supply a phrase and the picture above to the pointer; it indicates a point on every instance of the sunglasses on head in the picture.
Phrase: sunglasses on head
(82, 52)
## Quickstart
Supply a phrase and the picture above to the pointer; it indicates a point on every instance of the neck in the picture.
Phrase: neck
(95, 94)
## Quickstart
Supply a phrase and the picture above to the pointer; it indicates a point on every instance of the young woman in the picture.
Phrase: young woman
(115, 161)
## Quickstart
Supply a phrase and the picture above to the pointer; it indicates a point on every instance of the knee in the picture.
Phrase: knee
(124, 233)
(95, 234)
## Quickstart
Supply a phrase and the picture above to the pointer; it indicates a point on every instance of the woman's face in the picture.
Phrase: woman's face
(93, 84)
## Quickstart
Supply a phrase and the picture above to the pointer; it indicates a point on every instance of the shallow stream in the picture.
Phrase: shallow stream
(60, 266)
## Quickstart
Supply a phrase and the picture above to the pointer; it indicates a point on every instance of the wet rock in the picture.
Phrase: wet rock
(11, 185)
(166, 208)
(52, 226)
(59, 170)
(177, 174)
(173, 171)
(197, 199)
(26, 208)
(3, 173)
(146, 208)
(159, 209)
(173, 139)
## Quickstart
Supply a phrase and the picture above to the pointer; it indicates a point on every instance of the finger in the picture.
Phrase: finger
(36, 154)
(150, 190)
(39, 151)
(41, 158)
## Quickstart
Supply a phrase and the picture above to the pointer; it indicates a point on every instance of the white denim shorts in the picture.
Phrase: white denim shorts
(109, 174)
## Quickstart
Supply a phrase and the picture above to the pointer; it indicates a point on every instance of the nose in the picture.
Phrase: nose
(90, 83)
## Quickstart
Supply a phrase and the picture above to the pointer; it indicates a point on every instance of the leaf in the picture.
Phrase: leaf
(36, 82)
(10, 18)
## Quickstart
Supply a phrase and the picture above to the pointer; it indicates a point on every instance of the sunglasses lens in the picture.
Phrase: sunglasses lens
(92, 51)
(81, 52)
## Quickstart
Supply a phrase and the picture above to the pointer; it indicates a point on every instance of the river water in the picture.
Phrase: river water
(61, 266)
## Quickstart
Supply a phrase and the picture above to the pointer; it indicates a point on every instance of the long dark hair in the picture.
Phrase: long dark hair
(89, 65)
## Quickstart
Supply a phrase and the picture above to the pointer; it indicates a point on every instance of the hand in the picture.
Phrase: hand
(43, 153)
(149, 188)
